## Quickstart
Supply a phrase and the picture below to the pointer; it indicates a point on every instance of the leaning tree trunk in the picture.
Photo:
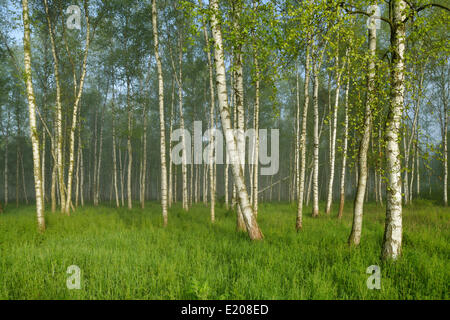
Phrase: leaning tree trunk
(392, 242)
(355, 236)
(161, 114)
(247, 211)
(32, 114)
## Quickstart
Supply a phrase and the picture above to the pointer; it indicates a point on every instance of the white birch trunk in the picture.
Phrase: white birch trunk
(355, 236)
(344, 150)
(249, 218)
(161, 114)
(333, 138)
(302, 141)
(32, 115)
(315, 211)
(129, 147)
(392, 242)
(59, 134)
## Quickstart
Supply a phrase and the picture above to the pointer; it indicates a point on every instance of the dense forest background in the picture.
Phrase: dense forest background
(98, 98)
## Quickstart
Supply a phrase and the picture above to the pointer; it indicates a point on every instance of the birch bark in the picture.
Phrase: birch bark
(247, 211)
(32, 115)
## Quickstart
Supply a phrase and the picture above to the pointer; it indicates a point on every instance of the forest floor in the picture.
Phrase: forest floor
(128, 255)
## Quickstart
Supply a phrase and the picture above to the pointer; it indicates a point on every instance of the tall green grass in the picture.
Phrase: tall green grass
(128, 255)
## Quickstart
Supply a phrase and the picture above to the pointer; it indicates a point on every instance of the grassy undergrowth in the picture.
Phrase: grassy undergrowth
(128, 255)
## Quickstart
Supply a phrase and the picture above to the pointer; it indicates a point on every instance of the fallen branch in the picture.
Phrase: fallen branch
(274, 184)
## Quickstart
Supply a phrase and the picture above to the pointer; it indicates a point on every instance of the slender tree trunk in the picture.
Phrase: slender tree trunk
(445, 140)
(333, 137)
(315, 211)
(184, 170)
(171, 191)
(344, 151)
(32, 114)
(144, 159)
(82, 178)
(256, 148)
(355, 236)
(239, 91)
(94, 180)
(97, 190)
(161, 114)
(392, 241)
(211, 119)
(302, 141)
(77, 170)
(75, 114)
(6, 161)
(121, 173)
(247, 211)
(43, 167)
(113, 109)
(129, 147)
(418, 165)
(59, 130)
(54, 180)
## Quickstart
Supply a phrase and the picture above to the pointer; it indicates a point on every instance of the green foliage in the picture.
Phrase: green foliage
(128, 255)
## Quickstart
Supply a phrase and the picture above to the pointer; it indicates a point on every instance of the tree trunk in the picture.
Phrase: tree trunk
(344, 151)
(302, 141)
(256, 147)
(32, 115)
(355, 236)
(211, 119)
(315, 211)
(75, 115)
(129, 147)
(59, 133)
(144, 160)
(445, 141)
(161, 114)
(392, 241)
(333, 136)
(171, 191)
(6, 161)
(249, 218)
(113, 115)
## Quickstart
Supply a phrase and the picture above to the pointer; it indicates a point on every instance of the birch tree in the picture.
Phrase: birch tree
(32, 114)
(355, 236)
(161, 113)
(247, 211)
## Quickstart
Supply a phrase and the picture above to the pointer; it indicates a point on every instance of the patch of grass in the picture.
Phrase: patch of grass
(128, 255)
